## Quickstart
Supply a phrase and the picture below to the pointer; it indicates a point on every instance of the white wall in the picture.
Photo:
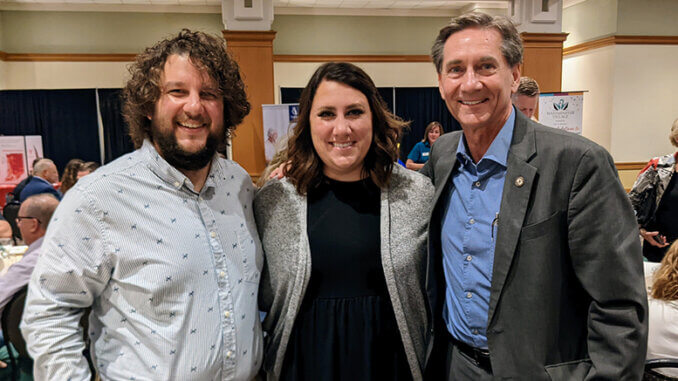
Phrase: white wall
(3, 75)
(645, 102)
(592, 71)
(63, 75)
(400, 74)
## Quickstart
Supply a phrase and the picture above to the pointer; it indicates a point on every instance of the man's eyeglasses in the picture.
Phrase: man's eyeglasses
(19, 218)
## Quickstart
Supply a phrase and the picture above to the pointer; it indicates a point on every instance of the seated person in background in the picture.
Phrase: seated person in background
(654, 196)
(87, 168)
(70, 175)
(663, 311)
(419, 154)
(33, 218)
(526, 98)
(5, 228)
(44, 175)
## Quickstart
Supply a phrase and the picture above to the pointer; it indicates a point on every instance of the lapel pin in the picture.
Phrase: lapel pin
(520, 181)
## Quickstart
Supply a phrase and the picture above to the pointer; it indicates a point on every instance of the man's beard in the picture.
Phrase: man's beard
(181, 159)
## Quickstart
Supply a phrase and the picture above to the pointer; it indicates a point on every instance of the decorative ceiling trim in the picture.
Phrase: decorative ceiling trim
(349, 58)
(620, 40)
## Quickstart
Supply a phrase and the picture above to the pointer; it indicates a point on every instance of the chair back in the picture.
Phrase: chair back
(11, 318)
(651, 366)
(10, 212)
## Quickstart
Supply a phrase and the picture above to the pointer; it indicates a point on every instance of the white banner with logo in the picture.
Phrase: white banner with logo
(278, 123)
(562, 110)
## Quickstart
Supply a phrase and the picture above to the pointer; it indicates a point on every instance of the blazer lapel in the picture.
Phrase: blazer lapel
(515, 198)
(443, 167)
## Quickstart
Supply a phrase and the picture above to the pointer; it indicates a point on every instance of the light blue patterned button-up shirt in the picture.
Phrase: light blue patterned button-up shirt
(171, 276)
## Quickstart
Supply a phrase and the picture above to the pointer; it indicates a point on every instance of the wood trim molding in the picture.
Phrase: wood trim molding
(621, 40)
(349, 58)
(630, 166)
(3, 55)
(552, 38)
(43, 57)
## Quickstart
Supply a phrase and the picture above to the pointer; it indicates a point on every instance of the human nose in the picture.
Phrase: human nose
(342, 126)
(470, 81)
(193, 105)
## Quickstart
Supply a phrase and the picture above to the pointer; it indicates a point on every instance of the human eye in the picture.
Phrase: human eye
(209, 95)
(487, 67)
(356, 112)
(325, 114)
(176, 91)
(455, 70)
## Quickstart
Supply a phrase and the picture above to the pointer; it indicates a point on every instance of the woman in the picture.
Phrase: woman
(663, 310)
(344, 236)
(655, 199)
(70, 175)
(419, 154)
(87, 168)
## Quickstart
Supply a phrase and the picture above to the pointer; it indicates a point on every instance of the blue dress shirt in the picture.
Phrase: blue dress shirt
(468, 236)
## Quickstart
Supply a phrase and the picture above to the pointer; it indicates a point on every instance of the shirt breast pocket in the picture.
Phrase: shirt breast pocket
(251, 260)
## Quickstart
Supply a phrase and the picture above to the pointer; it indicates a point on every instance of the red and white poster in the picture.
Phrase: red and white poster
(33, 149)
(12, 159)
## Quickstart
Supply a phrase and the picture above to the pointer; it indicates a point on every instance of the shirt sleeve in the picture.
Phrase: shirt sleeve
(16, 277)
(71, 272)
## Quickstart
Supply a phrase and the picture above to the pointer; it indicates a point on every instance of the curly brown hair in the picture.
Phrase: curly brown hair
(665, 285)
(207, 53)
(70, 175)
(306, 169)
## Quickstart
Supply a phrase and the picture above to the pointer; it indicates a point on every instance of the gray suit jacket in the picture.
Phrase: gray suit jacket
(567, 300)
(280, 213)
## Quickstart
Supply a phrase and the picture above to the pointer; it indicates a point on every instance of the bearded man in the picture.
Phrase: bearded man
(161, 243)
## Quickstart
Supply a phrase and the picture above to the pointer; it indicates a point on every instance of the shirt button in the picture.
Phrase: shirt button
(176, 183)
(222, 274)
(471, 221)
(469, 295)
(468, 258)
(213, 234)
(229, 354)
(227, 314)
(477, 184)
(475, 331)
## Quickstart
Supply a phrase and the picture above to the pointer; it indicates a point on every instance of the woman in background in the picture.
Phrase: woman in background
(344, 237)
(87, 168)
(658, 214)
(70, 175)
(663, 310)
(419, 154)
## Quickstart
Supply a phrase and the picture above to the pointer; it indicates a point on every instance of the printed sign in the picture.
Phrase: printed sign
(278, 122)
(12, 159)
(562, 110)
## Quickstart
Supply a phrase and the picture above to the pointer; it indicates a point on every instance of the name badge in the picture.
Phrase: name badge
(425, 153)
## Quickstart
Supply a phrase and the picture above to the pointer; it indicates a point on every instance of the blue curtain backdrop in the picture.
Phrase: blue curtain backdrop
(116, 140)
(421, 106)
(66, 119)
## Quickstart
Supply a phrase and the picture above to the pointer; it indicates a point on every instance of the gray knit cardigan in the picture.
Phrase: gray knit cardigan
(280, 214)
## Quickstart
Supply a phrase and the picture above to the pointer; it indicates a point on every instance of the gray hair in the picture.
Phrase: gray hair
(42, 165)
(511, 46)
(673, 136)
(41, 206)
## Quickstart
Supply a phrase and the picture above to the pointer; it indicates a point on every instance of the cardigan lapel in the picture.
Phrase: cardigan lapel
(516, 194)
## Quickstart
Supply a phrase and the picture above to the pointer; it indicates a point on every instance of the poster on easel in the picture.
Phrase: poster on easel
(13, 166)
(33, 149)
(278, 123)
(563, 110)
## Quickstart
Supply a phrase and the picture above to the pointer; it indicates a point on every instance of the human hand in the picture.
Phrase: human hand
(654, 238)
(3, 365)
(279, 172)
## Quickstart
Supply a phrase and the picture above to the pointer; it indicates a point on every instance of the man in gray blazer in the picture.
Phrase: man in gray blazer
(534, 266)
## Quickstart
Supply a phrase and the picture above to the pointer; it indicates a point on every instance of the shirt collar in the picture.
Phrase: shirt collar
(498, 151)
(165, 171)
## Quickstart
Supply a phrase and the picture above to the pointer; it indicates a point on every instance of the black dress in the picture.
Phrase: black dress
(346, 328)
(665, 221)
